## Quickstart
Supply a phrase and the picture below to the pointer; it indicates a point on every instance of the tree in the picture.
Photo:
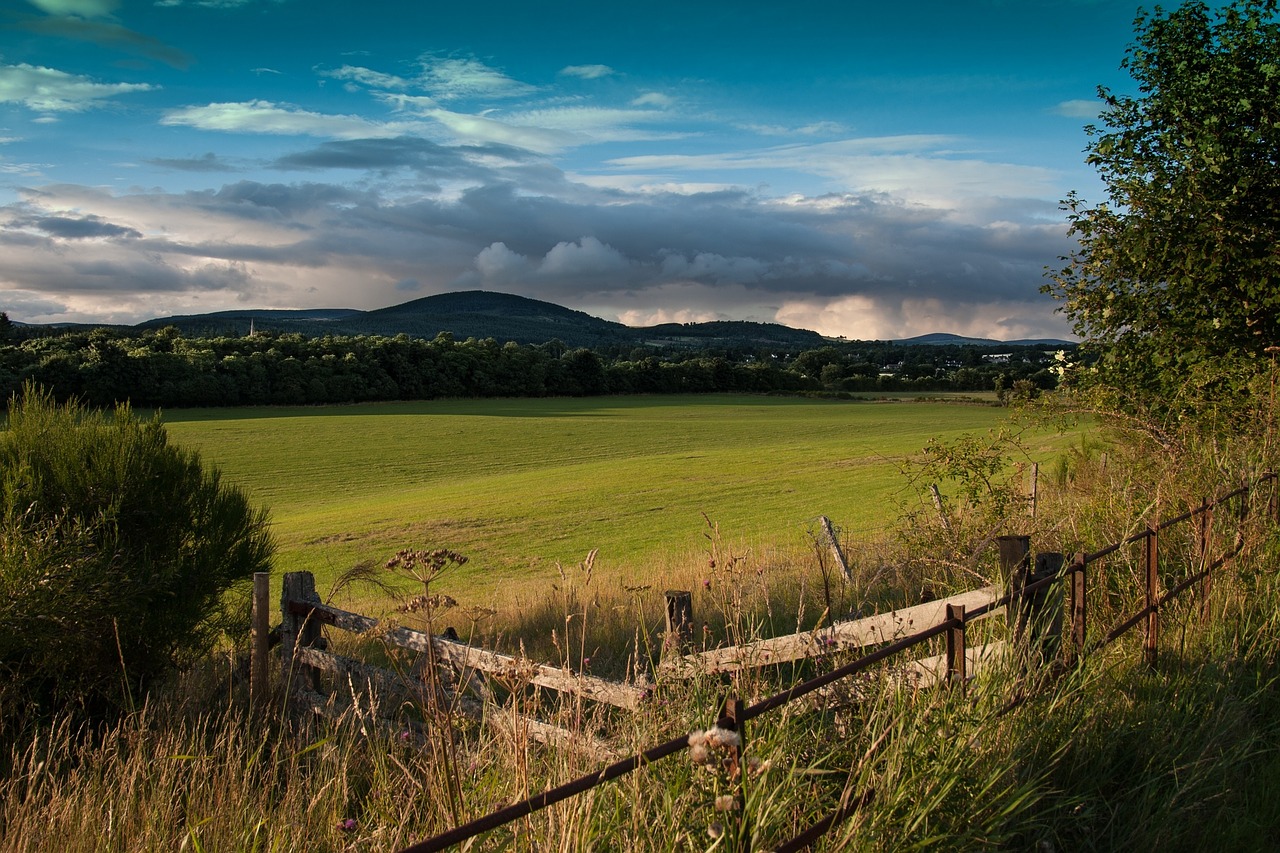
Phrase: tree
(117, 550)
(1174, 286)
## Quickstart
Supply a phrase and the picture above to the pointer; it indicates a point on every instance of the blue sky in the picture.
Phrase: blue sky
(872, 170)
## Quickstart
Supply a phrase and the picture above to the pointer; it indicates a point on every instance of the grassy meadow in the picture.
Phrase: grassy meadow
(521, 485)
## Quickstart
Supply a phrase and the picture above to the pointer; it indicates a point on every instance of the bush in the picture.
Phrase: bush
(117, 550)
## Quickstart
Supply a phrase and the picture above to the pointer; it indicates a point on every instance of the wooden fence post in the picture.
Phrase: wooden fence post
(1151, 644)
(259, 638)
(297, 630)
(1079, 588)
(834, 544)
(1046, 605)
(956, 658)
(679, 621)
(1205, 555)
(1015, 566)
(731, 719)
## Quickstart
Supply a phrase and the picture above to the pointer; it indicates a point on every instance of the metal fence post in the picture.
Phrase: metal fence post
(1203, 552)
(957, 663)
(1152, 641)
(1079, 610)
(731, 719)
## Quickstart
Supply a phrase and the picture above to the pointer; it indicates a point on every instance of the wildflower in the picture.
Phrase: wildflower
(718, 738)
(404, 735)
(586, 662)
(726, 803)
(706, 582)
(347, 825)
(715, 830)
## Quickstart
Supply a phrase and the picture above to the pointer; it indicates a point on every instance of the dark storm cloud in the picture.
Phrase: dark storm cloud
(285, 203)
(404, 152)
(82, 228)
(368, 245)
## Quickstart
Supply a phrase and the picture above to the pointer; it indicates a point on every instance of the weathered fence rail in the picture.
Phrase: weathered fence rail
(1039, 596)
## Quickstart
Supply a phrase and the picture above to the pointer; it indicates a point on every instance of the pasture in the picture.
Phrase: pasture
(521, 485)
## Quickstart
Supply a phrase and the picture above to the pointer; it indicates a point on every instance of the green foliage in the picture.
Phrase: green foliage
(164, 369)
(116, 549)
(1175, 284)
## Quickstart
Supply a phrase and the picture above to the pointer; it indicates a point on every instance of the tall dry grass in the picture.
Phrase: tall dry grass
(1105, 755)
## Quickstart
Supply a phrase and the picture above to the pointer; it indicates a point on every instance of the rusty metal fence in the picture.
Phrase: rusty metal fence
(1034, 613)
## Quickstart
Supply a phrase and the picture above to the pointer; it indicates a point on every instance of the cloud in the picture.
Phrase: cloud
(820, 128)
(587, 72)
(653, 99)
(267, 117)
(110, 35)
(39, 88)
(474, 128)
(861, 264)
(210, 162)
(1078, 109)
(368, 77)
(449, 79)
(86, 8)
(83, 227)
(921, 168)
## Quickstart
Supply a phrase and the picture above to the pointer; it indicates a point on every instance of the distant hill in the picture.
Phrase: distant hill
(943, 339)
(507, 317)
(485, 314)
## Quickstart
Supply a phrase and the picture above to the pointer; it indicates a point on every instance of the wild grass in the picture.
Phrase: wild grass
(1107, 754)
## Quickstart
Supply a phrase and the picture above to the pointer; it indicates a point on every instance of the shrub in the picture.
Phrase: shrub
(117, 551)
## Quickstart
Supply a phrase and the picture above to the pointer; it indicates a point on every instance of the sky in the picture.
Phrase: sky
(867, 170)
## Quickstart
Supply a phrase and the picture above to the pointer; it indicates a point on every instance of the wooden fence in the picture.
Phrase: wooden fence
(1043, 597)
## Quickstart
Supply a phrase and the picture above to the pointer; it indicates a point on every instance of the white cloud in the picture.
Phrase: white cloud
(586, 257)
(587, 72)
(918, 168)
(41, 88)
(653, 99)
(83, 8)
(474, 128)
(449, 79)
(497, 263)
(1078, 109)
(368, 77)
(819, 128)
(267, 117)
(403, 103)
(596, 124)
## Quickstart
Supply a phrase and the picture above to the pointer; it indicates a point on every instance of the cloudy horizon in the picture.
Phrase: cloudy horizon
(861, 171)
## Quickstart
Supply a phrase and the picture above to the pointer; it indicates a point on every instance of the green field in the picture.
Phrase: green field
(518, 485)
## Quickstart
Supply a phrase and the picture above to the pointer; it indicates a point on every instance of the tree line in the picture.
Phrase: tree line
(162, 368)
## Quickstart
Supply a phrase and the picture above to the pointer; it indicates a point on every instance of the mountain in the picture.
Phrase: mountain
(485, 314)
